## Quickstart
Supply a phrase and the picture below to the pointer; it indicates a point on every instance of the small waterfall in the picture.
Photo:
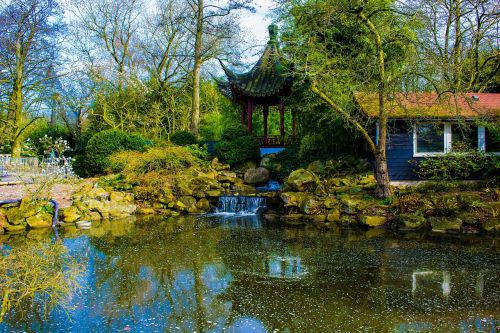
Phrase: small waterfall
(241, 205)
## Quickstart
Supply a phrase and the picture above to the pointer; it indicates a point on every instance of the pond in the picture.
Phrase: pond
(237, 274)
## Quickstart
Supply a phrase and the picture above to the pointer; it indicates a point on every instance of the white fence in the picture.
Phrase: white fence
(34, 166)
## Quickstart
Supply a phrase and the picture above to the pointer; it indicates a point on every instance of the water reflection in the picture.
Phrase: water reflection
(219, 274)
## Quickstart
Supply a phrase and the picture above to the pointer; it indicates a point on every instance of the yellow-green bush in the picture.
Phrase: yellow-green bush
(158, 159)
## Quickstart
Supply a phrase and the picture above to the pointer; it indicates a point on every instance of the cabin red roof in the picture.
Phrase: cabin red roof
(432, 105)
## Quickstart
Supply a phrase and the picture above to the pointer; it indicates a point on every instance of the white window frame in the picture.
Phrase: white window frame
(446, 138)
(481, 141)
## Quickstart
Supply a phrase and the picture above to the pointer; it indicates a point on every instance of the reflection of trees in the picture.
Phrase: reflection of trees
(171, 266)
(36, 278)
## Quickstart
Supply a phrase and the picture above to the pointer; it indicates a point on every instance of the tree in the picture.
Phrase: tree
(213, 26)
(28, 46)
(344, 46)
(458, 45)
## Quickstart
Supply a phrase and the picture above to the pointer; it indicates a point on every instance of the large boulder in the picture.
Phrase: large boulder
(70, 214)
(256, 176)
(372, 221)
(412, 221)
(40, 220)
(312, 206)
(301, 180)
(294, 199)
(443, 224)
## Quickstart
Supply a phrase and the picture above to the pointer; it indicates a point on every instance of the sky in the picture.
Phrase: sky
(255, 25)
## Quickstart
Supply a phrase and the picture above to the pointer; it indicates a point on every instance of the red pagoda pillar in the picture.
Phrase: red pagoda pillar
(281, 107)
(249, 115)
(265, 112)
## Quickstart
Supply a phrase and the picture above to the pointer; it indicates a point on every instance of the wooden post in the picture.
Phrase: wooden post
(249, 115)
(281, 108)
(265, 112)
(294, 123)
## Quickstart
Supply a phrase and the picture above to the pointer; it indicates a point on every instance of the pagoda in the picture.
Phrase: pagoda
(266, 84)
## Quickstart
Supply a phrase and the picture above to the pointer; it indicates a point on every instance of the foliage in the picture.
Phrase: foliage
(183, 138)
(441, 205)
(461, 163)
(237, 146)
(43, 135)
(101, 146)
(37, 277)
(408, 203)
(158, 160)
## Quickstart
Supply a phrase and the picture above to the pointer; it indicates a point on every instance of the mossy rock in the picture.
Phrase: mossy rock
(412, 221)
(294, 199)
(443, 224)
(316, 167)
(372, 221)
(301, 180)
(347, 220)
(70, 214)
(352, 205)
(40, 220)
(16, 216)
(317, 218)
(15, 228)
(121, 197)
(333, 215)
(331, 202)
(213, 193)
(203, 205)
(146, 211)
(491, 225)
(189, 203)
(312, 206)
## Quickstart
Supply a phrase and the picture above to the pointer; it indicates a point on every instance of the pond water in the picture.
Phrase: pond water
(236, 274)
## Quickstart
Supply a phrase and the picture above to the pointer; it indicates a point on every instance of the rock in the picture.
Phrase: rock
(215, 164)
(244, 189)
(189, 203)
(213, 193)
(491, 225)
(317, 218)
(372, 221)
(122, 197)
(333, 215)
(15, 216)
(40, 220)
(3, 219)
(146, 211)
(412, 221)
(14, 228)
(317, 167)
(245, 166)
(301, 180)
(203, 205)
(349, 205)
(70, 214)
(347, 220)
(312, 206)
(293, 199)
(443, 224)
(331, 202)
(293, 216)
(256, 176)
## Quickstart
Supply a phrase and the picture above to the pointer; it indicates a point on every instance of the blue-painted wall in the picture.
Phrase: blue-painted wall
(400, 151)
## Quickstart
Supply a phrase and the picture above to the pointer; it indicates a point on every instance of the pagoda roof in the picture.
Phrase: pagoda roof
(267, 78)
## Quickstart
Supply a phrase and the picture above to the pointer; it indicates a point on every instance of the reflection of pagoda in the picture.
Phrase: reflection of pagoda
(267, 84)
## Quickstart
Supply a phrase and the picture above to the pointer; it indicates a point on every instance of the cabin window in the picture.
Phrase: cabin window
(491, 141)
(431, 139)
(467, 135)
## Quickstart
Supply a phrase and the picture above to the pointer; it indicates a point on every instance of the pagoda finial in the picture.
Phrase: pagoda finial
(273, 33)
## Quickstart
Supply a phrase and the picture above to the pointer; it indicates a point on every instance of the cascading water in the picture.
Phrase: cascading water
(241, 205)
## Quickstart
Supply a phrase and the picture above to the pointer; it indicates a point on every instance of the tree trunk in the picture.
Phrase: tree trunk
(16, 147)
(383, 189)
(195, 106)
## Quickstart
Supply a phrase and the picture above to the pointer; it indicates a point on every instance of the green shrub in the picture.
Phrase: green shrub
(158, 160)
(102, 145)
(237, 146)
(183, 138)
(460, 163)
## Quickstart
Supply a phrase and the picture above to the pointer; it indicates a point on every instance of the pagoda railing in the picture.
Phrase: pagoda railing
(274, 141)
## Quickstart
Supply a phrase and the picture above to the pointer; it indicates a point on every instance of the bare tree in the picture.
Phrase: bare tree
(213, 25)
(458, 43)
(28, 48)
